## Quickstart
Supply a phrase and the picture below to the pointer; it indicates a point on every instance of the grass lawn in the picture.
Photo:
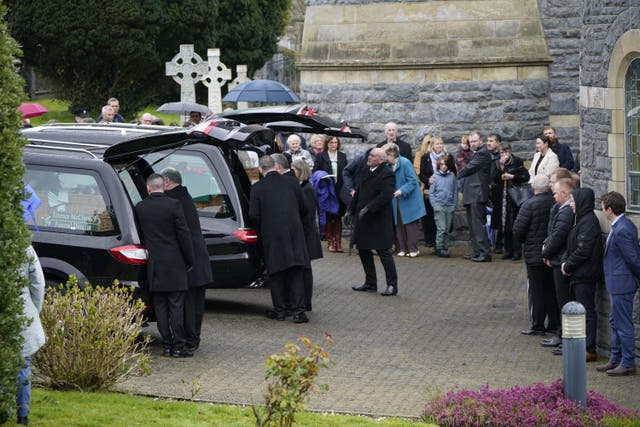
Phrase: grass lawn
(59, 110)
(55, 408)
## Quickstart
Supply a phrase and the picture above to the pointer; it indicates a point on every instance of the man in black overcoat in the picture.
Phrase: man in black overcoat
(200, 275)
(168, 241)
(275, 209)
(391, 135)
(372, 209)
(475, 195)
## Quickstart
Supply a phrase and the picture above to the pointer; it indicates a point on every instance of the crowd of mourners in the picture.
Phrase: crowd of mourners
(387, 195)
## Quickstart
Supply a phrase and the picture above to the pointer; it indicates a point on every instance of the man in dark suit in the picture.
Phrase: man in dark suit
(276, 208)
(391, 135)
(200, 275)
(622, 277)
(168, 241)
(475, 195)
(372, 208)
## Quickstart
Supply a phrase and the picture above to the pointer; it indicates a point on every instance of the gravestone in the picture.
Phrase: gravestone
(186, 69)
(215, 78)
(241, 77)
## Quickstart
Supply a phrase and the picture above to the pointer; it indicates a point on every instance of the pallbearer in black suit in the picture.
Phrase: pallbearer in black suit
(200, 275)
(168, 241)
(372, 210)
(276, 208)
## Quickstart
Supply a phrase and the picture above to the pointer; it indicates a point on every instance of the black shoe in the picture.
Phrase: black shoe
(507, 256)
(166, 352)
(472, 256)
(23, 420)
(444, 253)
(181, 353)
(308, 307)
(300, 318)
(480, 258)
(532, 332)
(557, 351)
(365, 288)
(554, 341)
(517, 257)
(271, 314)
(390, 291)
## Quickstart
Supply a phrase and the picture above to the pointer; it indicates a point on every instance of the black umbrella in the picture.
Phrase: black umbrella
(183, 107)
(269, 91)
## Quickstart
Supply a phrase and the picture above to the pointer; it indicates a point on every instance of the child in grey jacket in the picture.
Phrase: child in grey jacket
(443, 194)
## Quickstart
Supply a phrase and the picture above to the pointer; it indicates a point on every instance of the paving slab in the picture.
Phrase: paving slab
(454, 323)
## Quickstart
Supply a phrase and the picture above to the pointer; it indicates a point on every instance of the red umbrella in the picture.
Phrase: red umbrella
(32, 109)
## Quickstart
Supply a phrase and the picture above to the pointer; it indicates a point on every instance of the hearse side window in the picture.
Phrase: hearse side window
(72, 201)
(210, 197)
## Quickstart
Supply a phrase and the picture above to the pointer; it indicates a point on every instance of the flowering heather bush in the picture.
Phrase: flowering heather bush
(537, 405)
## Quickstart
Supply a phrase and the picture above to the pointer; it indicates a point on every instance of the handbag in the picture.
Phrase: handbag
(519, 194)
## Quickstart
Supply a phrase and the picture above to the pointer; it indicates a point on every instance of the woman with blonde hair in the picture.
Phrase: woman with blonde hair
(428, 165)
(309, 225)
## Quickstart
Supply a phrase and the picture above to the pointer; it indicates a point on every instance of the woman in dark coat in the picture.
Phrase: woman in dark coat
(333, 162)
(510, 172)
(309, 225)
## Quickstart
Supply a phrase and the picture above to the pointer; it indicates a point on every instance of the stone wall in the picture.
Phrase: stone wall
(432, 66)
(562, 23)
(602, 113)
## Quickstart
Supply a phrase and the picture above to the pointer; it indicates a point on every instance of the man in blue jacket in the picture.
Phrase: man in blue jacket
(622, 276)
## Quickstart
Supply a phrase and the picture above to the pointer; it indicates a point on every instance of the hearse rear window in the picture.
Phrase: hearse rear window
(202, 182)
(71, 201)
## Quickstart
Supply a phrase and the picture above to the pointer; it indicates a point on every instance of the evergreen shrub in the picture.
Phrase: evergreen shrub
(13, 233)
(93, 338)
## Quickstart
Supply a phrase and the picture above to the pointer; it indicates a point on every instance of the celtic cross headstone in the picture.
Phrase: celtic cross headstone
(215, 78)
(241, 77)
(186, 69)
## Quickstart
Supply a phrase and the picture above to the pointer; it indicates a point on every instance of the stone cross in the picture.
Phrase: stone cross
(241, 77)
(186, 68)
(216, 78)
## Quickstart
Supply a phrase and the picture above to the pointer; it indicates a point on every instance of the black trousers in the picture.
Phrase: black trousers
(287, 291)
(193, 314)
(585, 293)
(477, 219)
(386, 258)
(307, 278)
(564, 293)
(169, 308)
(429, 224)
(543, 298)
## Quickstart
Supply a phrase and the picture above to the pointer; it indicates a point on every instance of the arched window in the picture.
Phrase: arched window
(632, 114)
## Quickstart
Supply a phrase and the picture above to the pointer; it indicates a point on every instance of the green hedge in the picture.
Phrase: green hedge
(13, 233)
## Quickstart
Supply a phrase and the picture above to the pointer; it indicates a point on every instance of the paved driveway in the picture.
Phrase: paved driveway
(454, 323)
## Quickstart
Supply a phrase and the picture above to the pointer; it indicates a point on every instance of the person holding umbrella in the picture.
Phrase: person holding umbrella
(511, 173)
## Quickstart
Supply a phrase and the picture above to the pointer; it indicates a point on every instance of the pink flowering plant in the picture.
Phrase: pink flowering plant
(536, 405)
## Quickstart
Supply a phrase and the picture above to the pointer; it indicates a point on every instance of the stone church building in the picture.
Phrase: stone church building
(505, 66)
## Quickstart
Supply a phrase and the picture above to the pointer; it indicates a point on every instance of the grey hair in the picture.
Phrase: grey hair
(172, 174)
(112, 99)
(267, 163)
(281, 160)
(107, 108)
(540, 183)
